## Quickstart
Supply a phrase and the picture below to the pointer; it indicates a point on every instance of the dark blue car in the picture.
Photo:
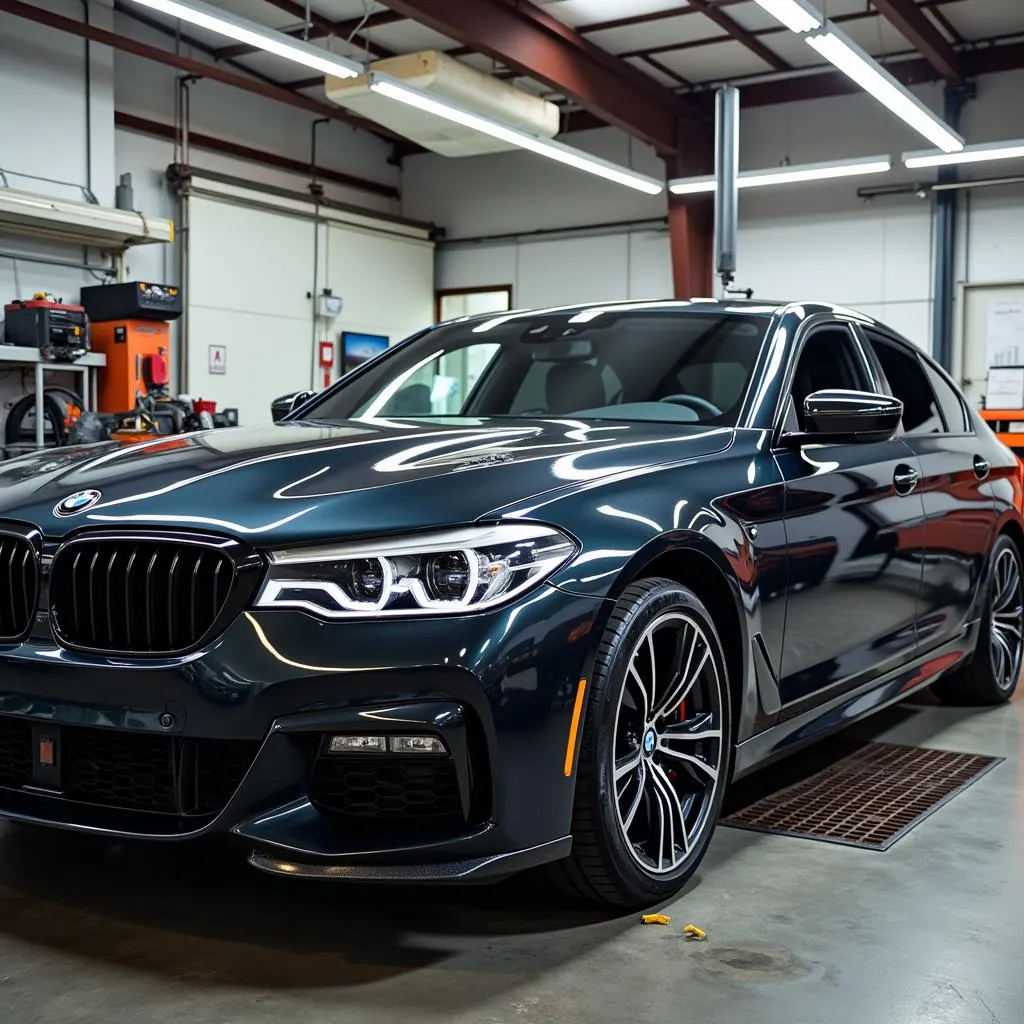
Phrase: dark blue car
(528, 589)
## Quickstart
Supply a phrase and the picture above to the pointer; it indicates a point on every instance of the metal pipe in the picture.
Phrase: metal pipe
(613, 227)
(727, 155)
(945, 245)
(216, 144)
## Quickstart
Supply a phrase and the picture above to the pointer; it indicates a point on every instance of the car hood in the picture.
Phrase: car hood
(290, 482)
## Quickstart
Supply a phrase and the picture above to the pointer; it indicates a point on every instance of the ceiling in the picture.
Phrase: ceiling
(686, 47)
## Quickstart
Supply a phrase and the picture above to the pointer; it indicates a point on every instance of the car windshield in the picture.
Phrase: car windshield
(655, 365)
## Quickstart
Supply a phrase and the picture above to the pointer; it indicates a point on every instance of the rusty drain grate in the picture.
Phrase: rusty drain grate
(870, 798)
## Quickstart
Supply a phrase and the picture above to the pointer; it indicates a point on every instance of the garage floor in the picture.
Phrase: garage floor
(798, 932)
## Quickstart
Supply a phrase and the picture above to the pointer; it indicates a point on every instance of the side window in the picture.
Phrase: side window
(827, 361)
(909, 383)
(952, 407)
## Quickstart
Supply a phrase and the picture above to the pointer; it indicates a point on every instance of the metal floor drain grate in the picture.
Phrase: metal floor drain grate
(870, 798)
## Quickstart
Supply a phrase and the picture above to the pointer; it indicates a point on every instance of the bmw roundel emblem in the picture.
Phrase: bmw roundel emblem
(75, 503)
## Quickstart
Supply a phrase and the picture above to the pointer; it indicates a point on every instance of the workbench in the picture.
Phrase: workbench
(87, 365)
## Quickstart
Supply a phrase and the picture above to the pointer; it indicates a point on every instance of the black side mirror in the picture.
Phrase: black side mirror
(847, 417)
(280, 407)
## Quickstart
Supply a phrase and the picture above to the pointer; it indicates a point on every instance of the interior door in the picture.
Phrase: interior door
(853, 525)
(955, 487)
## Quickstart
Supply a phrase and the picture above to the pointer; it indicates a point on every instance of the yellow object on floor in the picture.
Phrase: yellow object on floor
(655, 919)
(694, 932)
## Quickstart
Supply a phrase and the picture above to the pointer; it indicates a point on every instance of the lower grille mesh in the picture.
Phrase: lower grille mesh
(366, 787)
(131, 770)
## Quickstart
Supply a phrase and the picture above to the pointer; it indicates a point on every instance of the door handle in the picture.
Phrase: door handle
(905, 479)
(981, 467)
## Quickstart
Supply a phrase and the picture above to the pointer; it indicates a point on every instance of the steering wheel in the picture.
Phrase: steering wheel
(694, 402)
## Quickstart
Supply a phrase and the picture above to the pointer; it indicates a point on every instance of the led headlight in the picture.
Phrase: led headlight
(450, 571)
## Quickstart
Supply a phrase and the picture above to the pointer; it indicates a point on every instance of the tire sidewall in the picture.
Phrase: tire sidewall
(660, 597)
(983, 657)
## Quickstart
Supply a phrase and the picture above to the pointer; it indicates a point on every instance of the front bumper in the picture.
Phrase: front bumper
(503, 683)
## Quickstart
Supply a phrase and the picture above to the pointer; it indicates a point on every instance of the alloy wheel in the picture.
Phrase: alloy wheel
(1007, 627)
(667, 742)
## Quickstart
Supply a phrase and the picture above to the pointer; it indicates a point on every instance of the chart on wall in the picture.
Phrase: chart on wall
(1005, 333)
(992, 335)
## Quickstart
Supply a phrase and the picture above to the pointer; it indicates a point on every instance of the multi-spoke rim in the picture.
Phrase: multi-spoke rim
(667, 742)
(1007, 626)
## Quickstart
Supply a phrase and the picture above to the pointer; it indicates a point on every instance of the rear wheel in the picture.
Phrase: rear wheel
(654, 757)
(991, 676)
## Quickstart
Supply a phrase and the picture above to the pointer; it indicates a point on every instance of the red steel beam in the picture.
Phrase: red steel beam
(188, 65)
(691, 226)
(912, 23)
(533, 43)
(259, 156)
(981, 58)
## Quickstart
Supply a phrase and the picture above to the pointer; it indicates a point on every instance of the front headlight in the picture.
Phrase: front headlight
(451, 571)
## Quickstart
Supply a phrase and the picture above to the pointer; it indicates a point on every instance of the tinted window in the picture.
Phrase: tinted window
(909, 383)
(827, 361)
(953, 411)
(654, 364)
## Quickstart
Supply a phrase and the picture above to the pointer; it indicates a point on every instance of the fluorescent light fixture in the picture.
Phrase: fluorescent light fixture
(84, 223)
(796, 15)
(402, 93)
(244, 31)
(968, 155)
(863, 69)
(788, 175)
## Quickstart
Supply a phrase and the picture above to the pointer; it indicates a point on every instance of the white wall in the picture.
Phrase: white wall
(816, 240)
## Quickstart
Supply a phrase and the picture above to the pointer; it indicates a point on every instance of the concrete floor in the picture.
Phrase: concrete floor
(798, 932)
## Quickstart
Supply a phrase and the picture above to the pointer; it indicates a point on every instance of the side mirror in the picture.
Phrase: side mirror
(280, 407)
(847, 417)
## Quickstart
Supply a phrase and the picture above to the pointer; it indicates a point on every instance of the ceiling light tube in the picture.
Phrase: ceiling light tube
(244, 31)
(863, 69)
(788, 175)
(394, 89)
(968, 155)
(796, 15)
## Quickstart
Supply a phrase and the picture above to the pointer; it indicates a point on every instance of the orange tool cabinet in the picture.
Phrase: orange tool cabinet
(128, 345)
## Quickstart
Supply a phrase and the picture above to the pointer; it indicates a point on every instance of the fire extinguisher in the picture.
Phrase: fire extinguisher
(327, 361)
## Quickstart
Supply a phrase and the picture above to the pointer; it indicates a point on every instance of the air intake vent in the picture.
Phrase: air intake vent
(146, 596)
(19, 587)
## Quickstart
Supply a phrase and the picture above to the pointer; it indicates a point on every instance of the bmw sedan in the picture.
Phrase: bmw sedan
(527, 590)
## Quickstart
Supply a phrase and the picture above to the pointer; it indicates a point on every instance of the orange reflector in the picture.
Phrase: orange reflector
(577, 713)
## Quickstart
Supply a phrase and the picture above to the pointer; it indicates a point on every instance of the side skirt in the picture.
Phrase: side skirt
(789, 736)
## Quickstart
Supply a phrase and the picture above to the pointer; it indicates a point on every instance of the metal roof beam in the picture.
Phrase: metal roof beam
(533, 43)
(912, 23)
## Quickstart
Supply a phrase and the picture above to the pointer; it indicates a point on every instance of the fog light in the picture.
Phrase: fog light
(358, 745)
(416, 745)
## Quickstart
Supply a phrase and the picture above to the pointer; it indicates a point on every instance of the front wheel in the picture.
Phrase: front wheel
(655, 752)
(991, 676)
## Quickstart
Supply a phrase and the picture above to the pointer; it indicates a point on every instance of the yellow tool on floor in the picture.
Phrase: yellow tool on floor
(655, 919)
(692, 931)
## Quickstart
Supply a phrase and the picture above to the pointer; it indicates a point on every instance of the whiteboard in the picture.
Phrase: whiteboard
(977, 302)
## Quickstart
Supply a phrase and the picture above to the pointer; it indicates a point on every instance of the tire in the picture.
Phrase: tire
(990, 678)
(611, 861)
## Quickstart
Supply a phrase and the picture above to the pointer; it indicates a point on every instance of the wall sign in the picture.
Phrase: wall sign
(218, 359)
